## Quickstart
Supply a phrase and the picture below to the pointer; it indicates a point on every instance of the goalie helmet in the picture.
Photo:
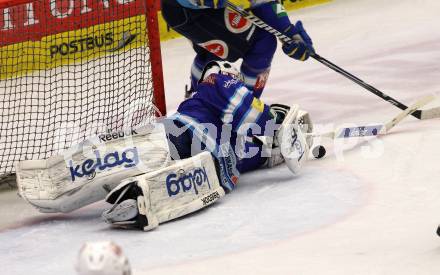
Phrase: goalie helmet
(221, 67)
(102, 258)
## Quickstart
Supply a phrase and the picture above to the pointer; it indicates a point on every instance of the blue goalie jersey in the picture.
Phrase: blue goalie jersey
(224, 115)
(225, 101)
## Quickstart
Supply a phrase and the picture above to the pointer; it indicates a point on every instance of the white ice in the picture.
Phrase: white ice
(371, 209)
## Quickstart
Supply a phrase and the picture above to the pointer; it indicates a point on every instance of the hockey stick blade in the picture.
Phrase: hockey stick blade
(431, 113)
(377, 129)
(411, 109)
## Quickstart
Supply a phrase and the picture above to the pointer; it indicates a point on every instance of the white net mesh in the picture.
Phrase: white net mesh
(75, 72)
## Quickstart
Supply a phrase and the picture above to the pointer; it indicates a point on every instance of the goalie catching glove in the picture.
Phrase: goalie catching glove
(147, 200)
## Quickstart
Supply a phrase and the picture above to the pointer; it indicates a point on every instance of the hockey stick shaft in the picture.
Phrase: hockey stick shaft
(378, 129)
(261, 24)
(360, 82)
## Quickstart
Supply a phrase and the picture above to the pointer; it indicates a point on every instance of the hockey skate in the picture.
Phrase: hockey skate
(124, 211)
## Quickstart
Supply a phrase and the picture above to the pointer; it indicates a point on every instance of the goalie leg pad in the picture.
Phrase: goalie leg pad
(166, 194)
(86, 172)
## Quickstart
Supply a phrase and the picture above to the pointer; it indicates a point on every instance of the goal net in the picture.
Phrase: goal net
(70, 69)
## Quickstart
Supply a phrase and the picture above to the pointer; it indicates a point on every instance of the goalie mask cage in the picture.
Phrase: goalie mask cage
(70, 69)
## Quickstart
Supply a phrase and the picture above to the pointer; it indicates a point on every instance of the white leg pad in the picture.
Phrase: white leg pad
(88, 171)
(182, 188)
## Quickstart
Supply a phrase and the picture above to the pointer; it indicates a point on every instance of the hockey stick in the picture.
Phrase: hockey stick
(379, 129)
(420, 114)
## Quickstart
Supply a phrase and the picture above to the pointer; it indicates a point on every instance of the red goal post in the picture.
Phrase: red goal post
(70, 69)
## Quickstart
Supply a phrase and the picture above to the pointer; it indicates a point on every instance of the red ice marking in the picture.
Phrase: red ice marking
(34, 221)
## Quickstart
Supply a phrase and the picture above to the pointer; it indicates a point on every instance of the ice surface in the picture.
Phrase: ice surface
(258, 213)
(372, 209)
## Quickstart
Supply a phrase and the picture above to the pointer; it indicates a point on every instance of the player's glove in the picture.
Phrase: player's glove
(302, 46)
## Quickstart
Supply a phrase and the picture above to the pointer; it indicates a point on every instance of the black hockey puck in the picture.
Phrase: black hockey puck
(319, 151)
(438, 230)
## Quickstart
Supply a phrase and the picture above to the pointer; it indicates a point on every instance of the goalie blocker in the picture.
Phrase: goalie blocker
(149, 199)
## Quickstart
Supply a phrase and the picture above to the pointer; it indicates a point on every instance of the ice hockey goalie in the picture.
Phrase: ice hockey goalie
(177, 165)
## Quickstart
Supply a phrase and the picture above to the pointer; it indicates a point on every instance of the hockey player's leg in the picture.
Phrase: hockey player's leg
(257, 61)
(211, 29)
(147, 200)
(218, 33)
